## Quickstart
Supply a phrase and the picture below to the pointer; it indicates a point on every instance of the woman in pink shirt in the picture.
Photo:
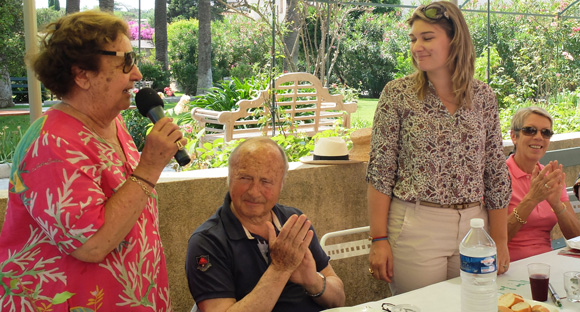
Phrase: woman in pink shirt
(539, 199)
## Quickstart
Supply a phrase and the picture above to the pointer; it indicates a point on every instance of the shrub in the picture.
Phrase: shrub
(13, 48)
(368, 53)
(136, 125)
(563, 107)
(182, 53)
(147, 32)
(154, 72)
(225, 96)
(240, 47)
(535, 55)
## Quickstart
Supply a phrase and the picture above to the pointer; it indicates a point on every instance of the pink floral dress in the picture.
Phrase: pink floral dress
(62, 177)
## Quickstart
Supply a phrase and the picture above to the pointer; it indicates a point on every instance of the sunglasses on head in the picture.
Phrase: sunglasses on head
(434, 11)
(129, 57)
(531, 131)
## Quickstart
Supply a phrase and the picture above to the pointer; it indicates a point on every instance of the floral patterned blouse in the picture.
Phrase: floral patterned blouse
(63, 175)
(419, 151)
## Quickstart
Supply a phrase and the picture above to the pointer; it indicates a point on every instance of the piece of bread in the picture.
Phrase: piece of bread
(521, 307)
(503, 309)
(540, 308)
(509, 299)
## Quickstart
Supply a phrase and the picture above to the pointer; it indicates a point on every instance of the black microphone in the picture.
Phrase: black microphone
(151, 105)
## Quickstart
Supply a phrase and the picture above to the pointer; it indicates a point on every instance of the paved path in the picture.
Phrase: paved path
(18, 109)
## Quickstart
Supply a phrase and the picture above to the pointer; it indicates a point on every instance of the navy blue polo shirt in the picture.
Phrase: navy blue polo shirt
(223, 263)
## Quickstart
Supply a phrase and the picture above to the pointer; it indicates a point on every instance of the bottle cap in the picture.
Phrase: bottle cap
(476, 223)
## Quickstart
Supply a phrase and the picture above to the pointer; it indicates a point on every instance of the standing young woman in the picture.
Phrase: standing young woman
(436, 158)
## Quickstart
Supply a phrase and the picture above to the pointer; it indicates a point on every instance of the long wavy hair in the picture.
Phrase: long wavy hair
(461, 60)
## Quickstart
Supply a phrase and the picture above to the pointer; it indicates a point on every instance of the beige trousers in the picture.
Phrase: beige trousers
(425, 242)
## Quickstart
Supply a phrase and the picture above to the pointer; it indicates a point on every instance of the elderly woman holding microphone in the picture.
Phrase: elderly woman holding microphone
(539, 198)
(81, 229)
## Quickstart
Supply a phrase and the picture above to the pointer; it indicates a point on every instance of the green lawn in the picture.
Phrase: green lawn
(365, 111)
(11, 130)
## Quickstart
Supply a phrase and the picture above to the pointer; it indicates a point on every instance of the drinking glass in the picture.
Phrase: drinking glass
(539, 274)
(571, 284)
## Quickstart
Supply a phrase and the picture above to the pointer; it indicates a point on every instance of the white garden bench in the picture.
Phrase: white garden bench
(308, 106)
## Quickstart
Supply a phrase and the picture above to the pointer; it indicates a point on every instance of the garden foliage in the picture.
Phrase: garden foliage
(182, 53)
(152, 71)
(239, 49)
(534, 60)
(368, 57)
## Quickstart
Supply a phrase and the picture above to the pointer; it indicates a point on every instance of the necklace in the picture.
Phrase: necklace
(90, 127)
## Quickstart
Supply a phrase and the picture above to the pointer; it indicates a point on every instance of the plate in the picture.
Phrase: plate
(552, 307)
(574, 242)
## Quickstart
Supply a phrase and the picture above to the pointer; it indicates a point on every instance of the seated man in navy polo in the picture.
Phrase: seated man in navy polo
(254, 254)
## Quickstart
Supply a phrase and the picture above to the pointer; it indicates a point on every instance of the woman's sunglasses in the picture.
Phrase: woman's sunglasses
(130, 58)
(434, 11)
(531, 131)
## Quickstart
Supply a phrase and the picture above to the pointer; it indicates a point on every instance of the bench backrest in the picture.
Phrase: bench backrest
(306, 106)
(17, 83)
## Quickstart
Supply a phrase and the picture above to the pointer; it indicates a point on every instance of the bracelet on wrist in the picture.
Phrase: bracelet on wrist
(144, 180)
(323, 287)
(378, 238)
(561, 210)
(143, 187)
(518, 217)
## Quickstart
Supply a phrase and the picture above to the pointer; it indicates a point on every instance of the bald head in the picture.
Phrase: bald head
(258, 150)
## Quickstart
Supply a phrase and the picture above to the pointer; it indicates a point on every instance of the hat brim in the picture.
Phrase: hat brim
(309, 160)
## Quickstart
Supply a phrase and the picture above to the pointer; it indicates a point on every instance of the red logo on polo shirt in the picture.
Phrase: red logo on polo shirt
(203, 263)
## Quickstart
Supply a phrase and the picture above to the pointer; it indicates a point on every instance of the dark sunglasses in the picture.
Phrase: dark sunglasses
(130, 58)
(531, 131)
(434, 11)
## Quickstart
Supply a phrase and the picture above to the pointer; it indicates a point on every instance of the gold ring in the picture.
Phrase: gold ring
(505, 266)
(546, 186)
(179, 145)
(371, 271)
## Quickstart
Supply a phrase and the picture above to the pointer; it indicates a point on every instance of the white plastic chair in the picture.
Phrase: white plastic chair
(346, 249)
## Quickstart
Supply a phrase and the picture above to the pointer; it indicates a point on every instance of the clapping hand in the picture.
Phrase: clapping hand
(289, 249)
(546, 184)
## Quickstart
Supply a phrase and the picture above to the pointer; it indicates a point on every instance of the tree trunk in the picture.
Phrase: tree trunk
(292, 21)
(73, 6)
(107, 5)
(161, 33)
(5, 89)
(204, 74)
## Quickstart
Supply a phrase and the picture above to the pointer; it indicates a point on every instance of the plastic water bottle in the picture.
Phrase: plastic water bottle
(478, 270)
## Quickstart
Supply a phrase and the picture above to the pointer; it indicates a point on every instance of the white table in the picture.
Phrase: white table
(446, 296)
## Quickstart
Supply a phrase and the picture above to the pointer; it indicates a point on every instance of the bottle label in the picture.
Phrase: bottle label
(478, 265)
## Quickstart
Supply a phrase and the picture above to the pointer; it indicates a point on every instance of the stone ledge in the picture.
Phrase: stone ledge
(5, 170)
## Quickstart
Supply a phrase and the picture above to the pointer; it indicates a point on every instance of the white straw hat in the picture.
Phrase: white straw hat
(329, 151)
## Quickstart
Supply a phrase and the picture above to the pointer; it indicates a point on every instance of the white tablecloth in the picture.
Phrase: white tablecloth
(445, 296)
